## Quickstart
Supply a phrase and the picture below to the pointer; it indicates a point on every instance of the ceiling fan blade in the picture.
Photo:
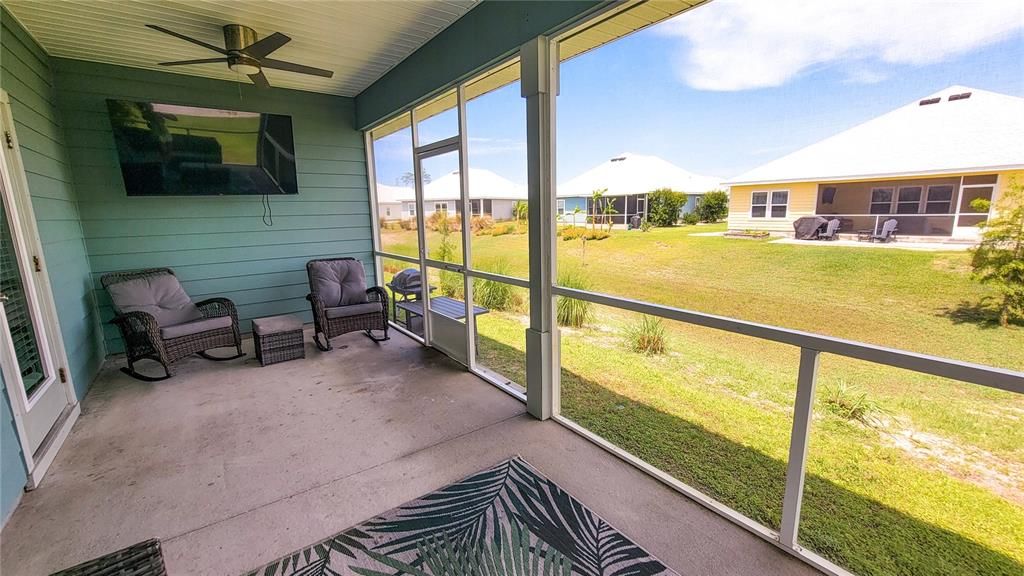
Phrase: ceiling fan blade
(263, 47)
(200, 61)
(217, 49)
(291, 67)
(259, 80)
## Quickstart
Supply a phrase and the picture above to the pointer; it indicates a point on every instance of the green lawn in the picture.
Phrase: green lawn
(933, 484)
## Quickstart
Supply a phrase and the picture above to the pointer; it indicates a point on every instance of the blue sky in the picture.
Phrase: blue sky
(716, 92)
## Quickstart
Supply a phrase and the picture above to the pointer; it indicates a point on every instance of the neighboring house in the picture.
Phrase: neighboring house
(489, 195)
(628, 178)
(923, 164)
(390, 206)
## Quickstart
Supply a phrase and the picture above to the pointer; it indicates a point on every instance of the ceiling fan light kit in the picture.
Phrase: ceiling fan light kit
(245, 53)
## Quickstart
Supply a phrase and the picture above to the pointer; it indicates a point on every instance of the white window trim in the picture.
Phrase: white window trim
(768, 205)
(440, 207)
(560, 207)
(892, 199)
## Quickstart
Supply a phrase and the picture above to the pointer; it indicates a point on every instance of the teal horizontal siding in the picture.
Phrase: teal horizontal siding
(27, 75)
(218, 246)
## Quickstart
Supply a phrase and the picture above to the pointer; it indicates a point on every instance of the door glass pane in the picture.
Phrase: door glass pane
(441, 211)
(396, 195)
(17, 310)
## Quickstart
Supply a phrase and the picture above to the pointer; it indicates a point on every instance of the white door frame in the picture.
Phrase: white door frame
(27, 243)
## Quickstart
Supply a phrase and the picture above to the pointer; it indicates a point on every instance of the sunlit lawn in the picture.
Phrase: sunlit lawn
(934, 484)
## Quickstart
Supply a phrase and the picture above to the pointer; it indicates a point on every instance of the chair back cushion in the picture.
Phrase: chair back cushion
(338, 282)
(160, 295)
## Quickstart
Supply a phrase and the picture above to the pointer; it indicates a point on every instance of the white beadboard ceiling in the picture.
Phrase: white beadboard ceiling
(358, 40)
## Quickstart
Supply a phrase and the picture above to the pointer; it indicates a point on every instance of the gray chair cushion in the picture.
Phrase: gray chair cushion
(194, 327)
(276, 324)
(338, 282)
(353, 310)
(162, 296)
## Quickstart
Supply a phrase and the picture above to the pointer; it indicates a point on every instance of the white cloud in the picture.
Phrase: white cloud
(480, 146)
(745, 44)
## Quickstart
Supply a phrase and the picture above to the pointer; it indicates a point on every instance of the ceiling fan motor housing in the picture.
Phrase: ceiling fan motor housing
(236, 39)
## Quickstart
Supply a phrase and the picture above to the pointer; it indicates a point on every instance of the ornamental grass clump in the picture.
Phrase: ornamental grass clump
(646, 336)
(572, 312)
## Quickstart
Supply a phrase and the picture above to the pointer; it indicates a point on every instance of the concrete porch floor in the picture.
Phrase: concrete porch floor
(232, 465)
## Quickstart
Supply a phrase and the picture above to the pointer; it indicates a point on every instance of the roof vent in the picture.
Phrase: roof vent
(618, 159)
(961, 96)
(928, 101)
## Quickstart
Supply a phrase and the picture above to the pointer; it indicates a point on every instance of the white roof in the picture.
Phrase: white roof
(393, 194)
(482, 184)
(980, 132)
(637, 174)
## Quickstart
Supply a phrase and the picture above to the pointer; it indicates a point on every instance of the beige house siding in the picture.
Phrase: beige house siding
(803, 199)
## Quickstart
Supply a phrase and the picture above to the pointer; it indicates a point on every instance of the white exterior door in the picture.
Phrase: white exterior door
(32, 355)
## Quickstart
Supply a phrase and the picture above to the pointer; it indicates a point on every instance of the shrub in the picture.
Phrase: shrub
(691, 218)
(502, 229)
(645, 225)
(479, 224)
(496, 295)
(850, 403)
(391, 267)
(713, 206)
(663, 206)
(574, 232)
(409, 224)
(646, 336)
(570, 311)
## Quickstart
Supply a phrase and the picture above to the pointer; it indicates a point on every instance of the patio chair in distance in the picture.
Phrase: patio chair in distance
(341, 301)
(831, 231)
(158, 320)
(887, 233)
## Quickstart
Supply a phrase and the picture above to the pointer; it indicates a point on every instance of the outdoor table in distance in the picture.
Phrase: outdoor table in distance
(278, 339)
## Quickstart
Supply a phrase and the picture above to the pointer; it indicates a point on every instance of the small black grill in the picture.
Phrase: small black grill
(407, 280)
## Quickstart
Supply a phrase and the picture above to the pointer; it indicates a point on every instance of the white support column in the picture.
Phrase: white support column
(467, 233)
(538, 60)
(802, 412)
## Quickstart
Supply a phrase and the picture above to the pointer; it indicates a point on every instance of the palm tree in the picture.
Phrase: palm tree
(596, 197)
(521, 211)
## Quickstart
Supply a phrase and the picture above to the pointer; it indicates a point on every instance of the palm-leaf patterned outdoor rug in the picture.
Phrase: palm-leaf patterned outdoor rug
(508, 520)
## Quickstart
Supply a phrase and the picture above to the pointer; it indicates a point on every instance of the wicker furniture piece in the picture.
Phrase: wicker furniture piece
(158, 321)
(341, 301)
(142, 559)
(278, 339)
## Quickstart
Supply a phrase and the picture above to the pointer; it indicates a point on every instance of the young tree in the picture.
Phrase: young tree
(713, 206)
(607, 211)
(664, 205)
(999, 258)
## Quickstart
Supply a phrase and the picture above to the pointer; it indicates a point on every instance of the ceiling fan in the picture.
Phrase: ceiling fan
(245, 54)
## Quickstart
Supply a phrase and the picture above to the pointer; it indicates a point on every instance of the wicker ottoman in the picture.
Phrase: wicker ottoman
(278, 339)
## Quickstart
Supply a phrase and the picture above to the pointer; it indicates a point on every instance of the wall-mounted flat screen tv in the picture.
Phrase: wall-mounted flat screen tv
(171, 150)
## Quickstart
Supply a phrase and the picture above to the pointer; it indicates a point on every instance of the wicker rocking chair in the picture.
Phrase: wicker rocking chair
(341, 301)
(158, 321)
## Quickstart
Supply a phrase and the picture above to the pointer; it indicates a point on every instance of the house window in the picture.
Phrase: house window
(560, 207)
(387, 210)
(411, 208)
(474, 208)
(940, 198)
(780, 203)
(440, 206)
(758, 204)
(881, 200)
(908, 200)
